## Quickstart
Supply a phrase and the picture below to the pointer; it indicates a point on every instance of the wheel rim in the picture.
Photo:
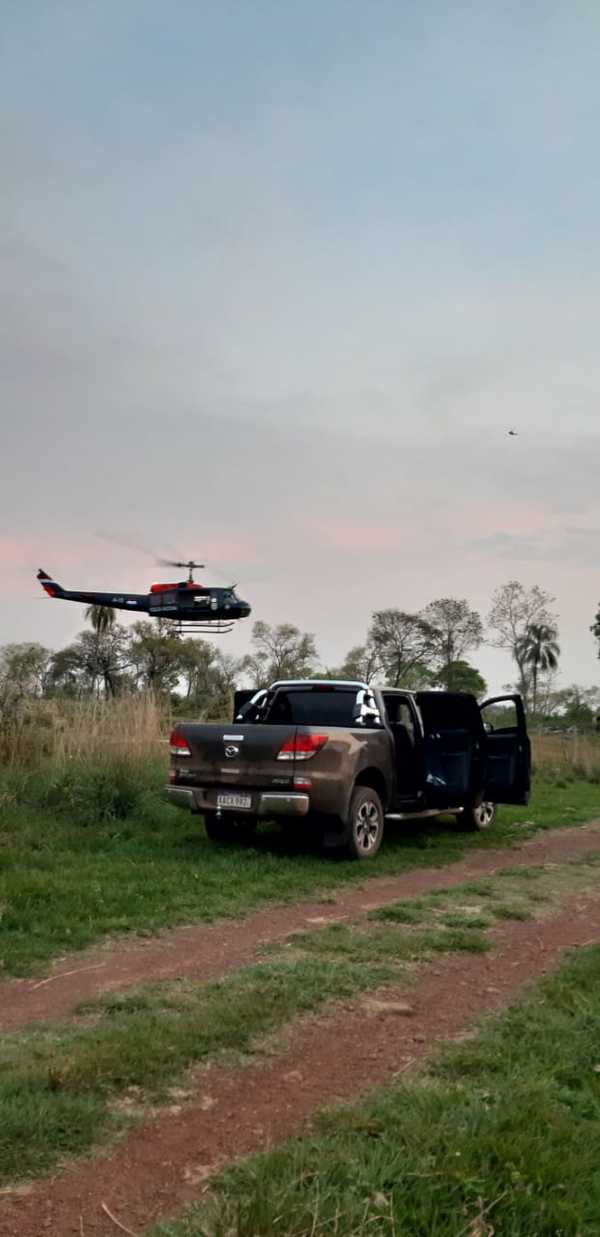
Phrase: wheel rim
(484, 814)
(367, 826)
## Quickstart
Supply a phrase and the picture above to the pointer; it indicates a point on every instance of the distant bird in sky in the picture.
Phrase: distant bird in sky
(513, 434)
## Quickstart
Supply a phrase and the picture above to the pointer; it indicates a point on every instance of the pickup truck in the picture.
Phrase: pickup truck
(349, 757)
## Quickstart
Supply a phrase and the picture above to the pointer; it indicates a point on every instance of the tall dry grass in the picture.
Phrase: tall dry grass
(130, 728)
(566, 755)
(97, 760)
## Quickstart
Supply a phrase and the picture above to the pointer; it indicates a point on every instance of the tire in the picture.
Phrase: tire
(228, 828)
(479, 816)
(365, 824)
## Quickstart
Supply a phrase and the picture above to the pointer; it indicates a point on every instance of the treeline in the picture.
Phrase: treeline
(433, 647)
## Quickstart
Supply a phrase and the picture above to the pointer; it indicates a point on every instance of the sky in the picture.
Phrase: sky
(276, 282)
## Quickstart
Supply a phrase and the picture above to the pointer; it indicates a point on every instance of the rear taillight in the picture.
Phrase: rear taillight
(178, 745)
(302, 746)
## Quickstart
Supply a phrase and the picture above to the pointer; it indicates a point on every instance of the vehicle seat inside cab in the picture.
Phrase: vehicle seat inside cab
(402, 726)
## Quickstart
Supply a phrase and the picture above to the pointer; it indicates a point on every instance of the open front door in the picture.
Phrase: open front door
(508, 750)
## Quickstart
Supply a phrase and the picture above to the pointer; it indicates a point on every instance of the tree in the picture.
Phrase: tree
(196, 658)
(101, 618)
(459, 676)
(210, 677)
(103, 657)
(575, 706)
(514, 609)
(106, 652)
(68, 671)
(23, 671)
(361, 662)
(539, 650)
(155, 655)
(223, 678)
(405, 645)
(457, 628)
(282, 652)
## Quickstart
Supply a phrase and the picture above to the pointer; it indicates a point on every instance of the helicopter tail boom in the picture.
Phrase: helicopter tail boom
(115, 601)
(49, 585)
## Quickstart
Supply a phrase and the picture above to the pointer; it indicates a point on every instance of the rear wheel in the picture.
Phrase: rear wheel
(479, 816)
(228, 828)
(365, 824)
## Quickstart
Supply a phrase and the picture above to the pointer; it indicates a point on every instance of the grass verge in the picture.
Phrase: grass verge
(500, 1135)
(69, 876)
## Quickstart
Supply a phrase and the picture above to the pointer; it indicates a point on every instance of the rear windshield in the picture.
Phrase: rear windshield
(315, 707)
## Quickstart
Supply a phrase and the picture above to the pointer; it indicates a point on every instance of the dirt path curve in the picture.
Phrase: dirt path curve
(205, 951)
(336, 1055)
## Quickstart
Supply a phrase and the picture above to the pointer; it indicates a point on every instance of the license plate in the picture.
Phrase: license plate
(238, 801)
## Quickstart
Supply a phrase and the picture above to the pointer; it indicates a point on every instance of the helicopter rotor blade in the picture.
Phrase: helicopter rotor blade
(126, 544)
(189, 564)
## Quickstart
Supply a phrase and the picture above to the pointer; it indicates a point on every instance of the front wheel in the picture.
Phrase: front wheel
(478, 816)
(365, 825)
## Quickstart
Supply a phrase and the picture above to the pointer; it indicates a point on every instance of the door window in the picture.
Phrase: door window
(501, 718)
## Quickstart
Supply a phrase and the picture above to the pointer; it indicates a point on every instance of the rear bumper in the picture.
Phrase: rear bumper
(181, 796)
(269, 803)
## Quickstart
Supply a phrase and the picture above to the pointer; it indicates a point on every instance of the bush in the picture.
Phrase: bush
(92, 793)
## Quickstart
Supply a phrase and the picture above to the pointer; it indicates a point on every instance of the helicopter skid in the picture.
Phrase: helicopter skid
(216, 627)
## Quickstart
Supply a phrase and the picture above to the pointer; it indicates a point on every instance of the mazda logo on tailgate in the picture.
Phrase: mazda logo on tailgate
(232, 751)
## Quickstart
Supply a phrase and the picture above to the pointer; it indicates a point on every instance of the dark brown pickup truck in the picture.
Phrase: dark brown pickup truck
(351, 756)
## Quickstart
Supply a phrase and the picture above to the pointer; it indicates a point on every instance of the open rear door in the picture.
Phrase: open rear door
(508, 750)
(453, 749)
(241, 697)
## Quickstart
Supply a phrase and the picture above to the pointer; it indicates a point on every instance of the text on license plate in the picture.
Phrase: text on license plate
(239, 801)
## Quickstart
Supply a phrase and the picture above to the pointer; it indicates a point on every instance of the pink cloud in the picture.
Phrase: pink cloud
(506, 517)
(350, 535)
(25, 552)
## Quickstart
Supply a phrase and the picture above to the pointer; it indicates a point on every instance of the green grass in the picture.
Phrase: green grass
(500, 1135)
(79, 868)
(59, 1084)
(56, 1083)
(510, 894)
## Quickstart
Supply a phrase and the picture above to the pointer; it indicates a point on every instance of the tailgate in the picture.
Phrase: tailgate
(235, 755)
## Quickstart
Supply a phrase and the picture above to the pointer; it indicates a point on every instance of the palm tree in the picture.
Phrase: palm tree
(102, 618)
(539, 649)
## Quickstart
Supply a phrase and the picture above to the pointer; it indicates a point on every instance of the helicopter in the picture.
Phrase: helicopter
(192, 606)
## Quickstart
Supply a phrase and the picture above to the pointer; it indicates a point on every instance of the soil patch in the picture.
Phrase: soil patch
(206, 951)
(337, 1055)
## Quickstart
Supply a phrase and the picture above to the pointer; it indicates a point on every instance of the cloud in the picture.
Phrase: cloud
(358, 536)
(286, 314)
(561, 547)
